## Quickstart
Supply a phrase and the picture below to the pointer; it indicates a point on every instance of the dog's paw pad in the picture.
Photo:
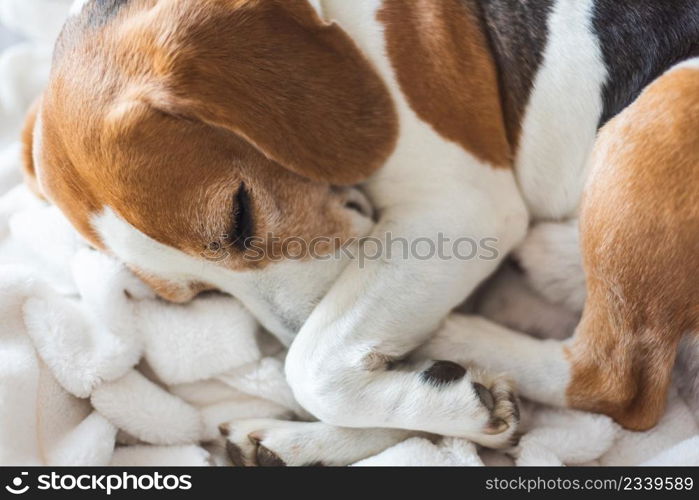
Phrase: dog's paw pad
(443, 373)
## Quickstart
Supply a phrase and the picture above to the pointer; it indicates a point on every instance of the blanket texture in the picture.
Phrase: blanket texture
(94, 370)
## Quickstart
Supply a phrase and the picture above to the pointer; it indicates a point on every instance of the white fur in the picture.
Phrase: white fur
(306, 443)
(380, 307)
(688, 64)
(539, 366)
(478, 201)
(561, 120)
(428, 185)
(43, 424)
(281, 308)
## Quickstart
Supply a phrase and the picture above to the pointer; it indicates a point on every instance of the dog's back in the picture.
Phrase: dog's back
(566, 68)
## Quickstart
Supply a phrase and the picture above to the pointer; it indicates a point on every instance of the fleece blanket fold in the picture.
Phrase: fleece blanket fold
(95, 370)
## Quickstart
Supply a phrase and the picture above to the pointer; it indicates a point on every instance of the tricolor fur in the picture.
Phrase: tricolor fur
(169, 125)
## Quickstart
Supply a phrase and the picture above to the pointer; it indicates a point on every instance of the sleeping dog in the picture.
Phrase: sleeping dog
(193, 139)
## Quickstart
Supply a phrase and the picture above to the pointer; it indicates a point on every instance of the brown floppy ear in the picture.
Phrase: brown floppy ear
(274, 73)
(28, 150)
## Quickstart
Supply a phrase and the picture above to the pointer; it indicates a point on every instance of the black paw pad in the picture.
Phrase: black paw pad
(443, 372)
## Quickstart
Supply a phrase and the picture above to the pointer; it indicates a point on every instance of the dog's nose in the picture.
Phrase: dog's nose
(356, 200)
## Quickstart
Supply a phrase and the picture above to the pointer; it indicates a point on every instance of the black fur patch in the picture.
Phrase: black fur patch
(77, 29)
(99, 12)
(517, 31)
(640, 40)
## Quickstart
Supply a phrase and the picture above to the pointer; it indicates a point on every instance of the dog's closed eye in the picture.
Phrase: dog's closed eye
(243, 221)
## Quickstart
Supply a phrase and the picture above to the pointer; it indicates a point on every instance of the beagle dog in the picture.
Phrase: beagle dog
(195, 139)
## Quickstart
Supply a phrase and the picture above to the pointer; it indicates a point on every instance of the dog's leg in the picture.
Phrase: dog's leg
(265, 442)
(640, 243)
(539, 367)
(342, 365)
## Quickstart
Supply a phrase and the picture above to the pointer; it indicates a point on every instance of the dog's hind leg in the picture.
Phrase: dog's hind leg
(640, 241)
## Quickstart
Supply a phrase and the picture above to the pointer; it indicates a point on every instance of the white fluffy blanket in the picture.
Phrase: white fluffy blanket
(95, 371)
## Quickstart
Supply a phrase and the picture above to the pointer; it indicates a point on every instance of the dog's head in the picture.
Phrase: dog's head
(194, 138)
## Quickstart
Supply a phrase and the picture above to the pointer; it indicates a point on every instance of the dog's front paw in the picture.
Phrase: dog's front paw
(484, 407)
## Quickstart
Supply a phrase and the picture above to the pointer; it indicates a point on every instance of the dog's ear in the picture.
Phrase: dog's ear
(28, 167)
(295, 87)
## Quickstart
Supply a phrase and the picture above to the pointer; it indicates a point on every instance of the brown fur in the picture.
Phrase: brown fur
(444, 66)
(163, 112)
(172, 292)
(640, 236)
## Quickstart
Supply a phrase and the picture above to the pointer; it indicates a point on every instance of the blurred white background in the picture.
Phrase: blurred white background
(7, 38)
(28, 29)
